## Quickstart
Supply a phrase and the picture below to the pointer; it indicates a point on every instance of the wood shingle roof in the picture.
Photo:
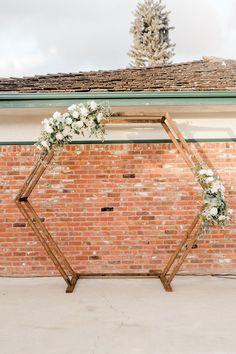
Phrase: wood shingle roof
(203, 75)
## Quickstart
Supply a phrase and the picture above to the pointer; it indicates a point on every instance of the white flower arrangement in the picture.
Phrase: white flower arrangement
(89, 119)
(215, 211)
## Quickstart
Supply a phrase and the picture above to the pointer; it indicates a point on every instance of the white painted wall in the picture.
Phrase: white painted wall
(194, 122)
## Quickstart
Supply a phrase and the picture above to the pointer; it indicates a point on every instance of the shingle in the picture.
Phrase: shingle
(207, 74)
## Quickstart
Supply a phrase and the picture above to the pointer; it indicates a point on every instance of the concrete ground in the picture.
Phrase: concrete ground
(118, 316)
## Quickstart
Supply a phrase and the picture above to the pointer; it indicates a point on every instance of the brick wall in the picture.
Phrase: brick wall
(114, 209)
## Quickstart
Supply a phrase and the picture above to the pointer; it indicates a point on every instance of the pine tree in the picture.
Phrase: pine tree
(150, 30)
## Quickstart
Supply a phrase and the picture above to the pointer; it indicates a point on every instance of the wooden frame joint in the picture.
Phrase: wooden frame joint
(23, 199)
(165, 283)
(72, 283)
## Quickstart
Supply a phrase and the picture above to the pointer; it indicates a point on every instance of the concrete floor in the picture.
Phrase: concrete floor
(118, 316)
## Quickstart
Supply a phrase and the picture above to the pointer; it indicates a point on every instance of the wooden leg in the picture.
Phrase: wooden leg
(189, 241)
(166, 283)
(179, 256)
(50, 246)
(180, 247)
(73, 281)
(40, 230)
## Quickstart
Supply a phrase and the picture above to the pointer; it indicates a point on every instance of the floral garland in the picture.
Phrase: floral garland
(81, 119)
(215, 211)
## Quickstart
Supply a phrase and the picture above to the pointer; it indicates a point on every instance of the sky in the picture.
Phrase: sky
(51, 36)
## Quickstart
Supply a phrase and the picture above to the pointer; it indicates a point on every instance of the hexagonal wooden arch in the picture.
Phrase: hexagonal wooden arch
(51, 247)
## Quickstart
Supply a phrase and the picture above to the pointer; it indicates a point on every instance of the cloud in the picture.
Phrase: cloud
(200, 28)
(73, 35)
(22, 55)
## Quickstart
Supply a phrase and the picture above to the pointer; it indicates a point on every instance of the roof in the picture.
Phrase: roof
(207, 74)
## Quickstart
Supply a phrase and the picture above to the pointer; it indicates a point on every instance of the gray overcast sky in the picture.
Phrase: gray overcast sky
(50, 36)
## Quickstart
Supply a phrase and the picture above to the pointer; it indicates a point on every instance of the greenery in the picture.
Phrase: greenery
(215, 211)
(83, 119)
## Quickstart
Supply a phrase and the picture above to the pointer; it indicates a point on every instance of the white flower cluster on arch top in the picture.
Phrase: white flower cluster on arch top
(88, 118)
(215, 211)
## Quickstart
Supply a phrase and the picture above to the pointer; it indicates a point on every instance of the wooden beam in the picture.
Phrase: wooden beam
(40, 230)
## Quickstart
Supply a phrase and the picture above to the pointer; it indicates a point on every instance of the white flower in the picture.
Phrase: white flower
(99, 117)
(65, 115)
(84, 112)
(72, 107)
(56, 115)
(222, 217)
(209, 172)
(214, 202)
(77, 125)
(66, 131)
(50, 120)
(202, 172)
(48, 129)
(80, 124)
(44, 143)
(213, 211)
(93, 105)
(59, 136)
(45, 121)
(216, 186)
(230, 211)
(61, 120)
(75, 114)
(69, 121)
(209, 179)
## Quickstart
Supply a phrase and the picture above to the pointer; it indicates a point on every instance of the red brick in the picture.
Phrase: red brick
(151, 212)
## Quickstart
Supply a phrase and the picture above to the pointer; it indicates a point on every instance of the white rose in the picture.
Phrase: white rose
(215, 186)
(45, 121)
(44, 143)
(84, 112)
(79, 124)
(56, 115)
(230, 211)
(209, 179)
(65, 115)
(66, 131)
(48, 129)
(214, 202)
(99, 117)
(74, 125)
(202, 172)
(222, 217)
(59, 136)
(51, 120)
(72, 107)
(75, 114)
(213, 211)
(93, 105)
(209, 173)
(69, 121)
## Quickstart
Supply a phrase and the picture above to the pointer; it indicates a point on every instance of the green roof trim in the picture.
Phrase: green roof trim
(144, 141)
(64, 99)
